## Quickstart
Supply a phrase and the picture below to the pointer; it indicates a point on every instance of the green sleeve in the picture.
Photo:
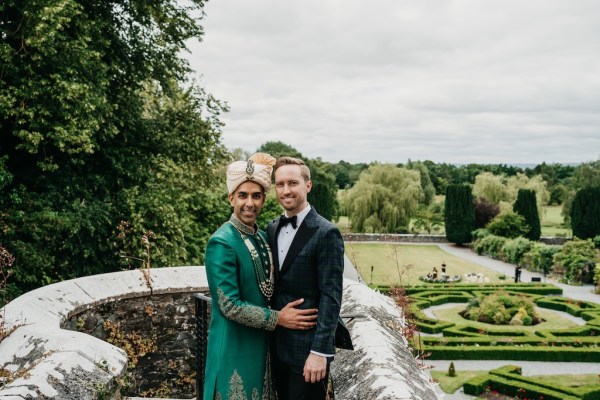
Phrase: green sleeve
(221, 271)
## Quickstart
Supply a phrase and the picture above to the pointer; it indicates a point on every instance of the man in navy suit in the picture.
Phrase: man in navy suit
(308, 252)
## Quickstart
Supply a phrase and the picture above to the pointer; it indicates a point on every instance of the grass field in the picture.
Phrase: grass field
(404, 263)
(552, 222)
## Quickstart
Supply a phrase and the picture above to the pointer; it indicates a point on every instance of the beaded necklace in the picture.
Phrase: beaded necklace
(264, 273)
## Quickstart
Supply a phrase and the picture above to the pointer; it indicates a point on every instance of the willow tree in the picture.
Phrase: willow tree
(383, 199)
(490, 187)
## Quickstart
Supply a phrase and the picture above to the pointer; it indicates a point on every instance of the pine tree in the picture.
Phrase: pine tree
(585, 213)
(526, 206)
(459, 213)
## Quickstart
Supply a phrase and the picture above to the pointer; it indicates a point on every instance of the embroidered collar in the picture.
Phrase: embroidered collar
(245, 229)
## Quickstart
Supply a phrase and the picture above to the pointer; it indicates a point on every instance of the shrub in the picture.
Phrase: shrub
(501, 309)
(491, 245)
(576, 258)
(508, 224)
(514, 250)
(540, 257)
(485, 211)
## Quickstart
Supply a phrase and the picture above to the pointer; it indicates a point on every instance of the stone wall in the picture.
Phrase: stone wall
(164, 323)
(47, 361)
(412, 238)
(393, 237)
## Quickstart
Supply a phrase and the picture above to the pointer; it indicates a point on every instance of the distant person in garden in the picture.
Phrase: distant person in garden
(517, 273)
(443, 268)
(240, 271)
(309, 257)
(434, 273)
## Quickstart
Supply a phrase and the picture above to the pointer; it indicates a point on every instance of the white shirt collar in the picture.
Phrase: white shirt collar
(301, 215)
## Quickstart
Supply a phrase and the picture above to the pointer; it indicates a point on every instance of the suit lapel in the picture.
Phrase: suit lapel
(305, 231)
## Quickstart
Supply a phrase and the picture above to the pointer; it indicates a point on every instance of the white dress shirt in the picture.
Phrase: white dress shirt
(287, 234)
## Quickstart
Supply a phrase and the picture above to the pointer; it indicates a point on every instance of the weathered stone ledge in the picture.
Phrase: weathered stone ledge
(64, 364)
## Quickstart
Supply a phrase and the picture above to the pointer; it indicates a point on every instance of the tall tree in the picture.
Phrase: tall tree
(459, 214)
(98, 125)
(585, 214)
(526, 206)
(384, 199)
(490, 187)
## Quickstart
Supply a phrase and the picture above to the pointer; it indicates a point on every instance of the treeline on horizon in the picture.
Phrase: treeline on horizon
(559, 177)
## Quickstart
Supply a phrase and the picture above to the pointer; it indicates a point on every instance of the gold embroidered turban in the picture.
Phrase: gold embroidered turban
(258, 169)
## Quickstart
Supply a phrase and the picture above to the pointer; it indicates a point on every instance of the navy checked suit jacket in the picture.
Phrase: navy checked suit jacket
(313, 269)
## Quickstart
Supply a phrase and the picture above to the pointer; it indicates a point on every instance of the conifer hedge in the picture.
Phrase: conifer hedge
(459, 213)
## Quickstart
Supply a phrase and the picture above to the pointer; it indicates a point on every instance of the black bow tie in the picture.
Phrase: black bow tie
(283, 221)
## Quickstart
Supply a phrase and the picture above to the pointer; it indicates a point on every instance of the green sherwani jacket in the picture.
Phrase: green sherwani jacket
(237, 362)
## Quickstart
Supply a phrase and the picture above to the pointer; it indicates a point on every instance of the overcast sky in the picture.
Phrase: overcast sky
(455, 81)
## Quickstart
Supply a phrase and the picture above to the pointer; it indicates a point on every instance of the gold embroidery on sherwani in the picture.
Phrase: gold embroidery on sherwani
(236, 387)
(268, 392)
(248, 315)
(255, 395)
(218, 396)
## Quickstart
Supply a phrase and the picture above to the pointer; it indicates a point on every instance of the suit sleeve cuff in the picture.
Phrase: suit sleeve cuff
(322, 354)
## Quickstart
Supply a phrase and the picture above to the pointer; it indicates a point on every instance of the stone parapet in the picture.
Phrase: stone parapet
(49, 362)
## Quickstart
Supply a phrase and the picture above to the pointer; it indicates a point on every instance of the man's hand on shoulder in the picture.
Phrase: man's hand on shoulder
(315, 368)
(295, 318)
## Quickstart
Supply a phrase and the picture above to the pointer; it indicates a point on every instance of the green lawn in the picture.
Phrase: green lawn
(552, 222)
(451, 384)
(404, 263)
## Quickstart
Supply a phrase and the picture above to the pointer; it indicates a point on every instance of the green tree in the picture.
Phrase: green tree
(585, 213)
(509, 225)
(490, 187)
(384, 199)
(98, 124)
(426, 185)
(459, 214)
(526, 206)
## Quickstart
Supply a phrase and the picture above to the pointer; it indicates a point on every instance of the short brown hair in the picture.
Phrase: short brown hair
(304, 170)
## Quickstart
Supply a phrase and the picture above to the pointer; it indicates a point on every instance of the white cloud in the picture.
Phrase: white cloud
(388, 80)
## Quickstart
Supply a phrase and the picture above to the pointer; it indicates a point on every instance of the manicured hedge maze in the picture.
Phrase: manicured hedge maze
(468, 342)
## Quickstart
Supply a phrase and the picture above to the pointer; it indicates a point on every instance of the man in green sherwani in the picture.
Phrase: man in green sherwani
(240, 272)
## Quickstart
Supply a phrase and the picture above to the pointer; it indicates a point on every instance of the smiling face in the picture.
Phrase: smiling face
(291, 188)
(247, 202)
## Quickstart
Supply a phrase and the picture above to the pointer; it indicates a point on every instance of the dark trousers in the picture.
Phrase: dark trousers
(290, 383)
